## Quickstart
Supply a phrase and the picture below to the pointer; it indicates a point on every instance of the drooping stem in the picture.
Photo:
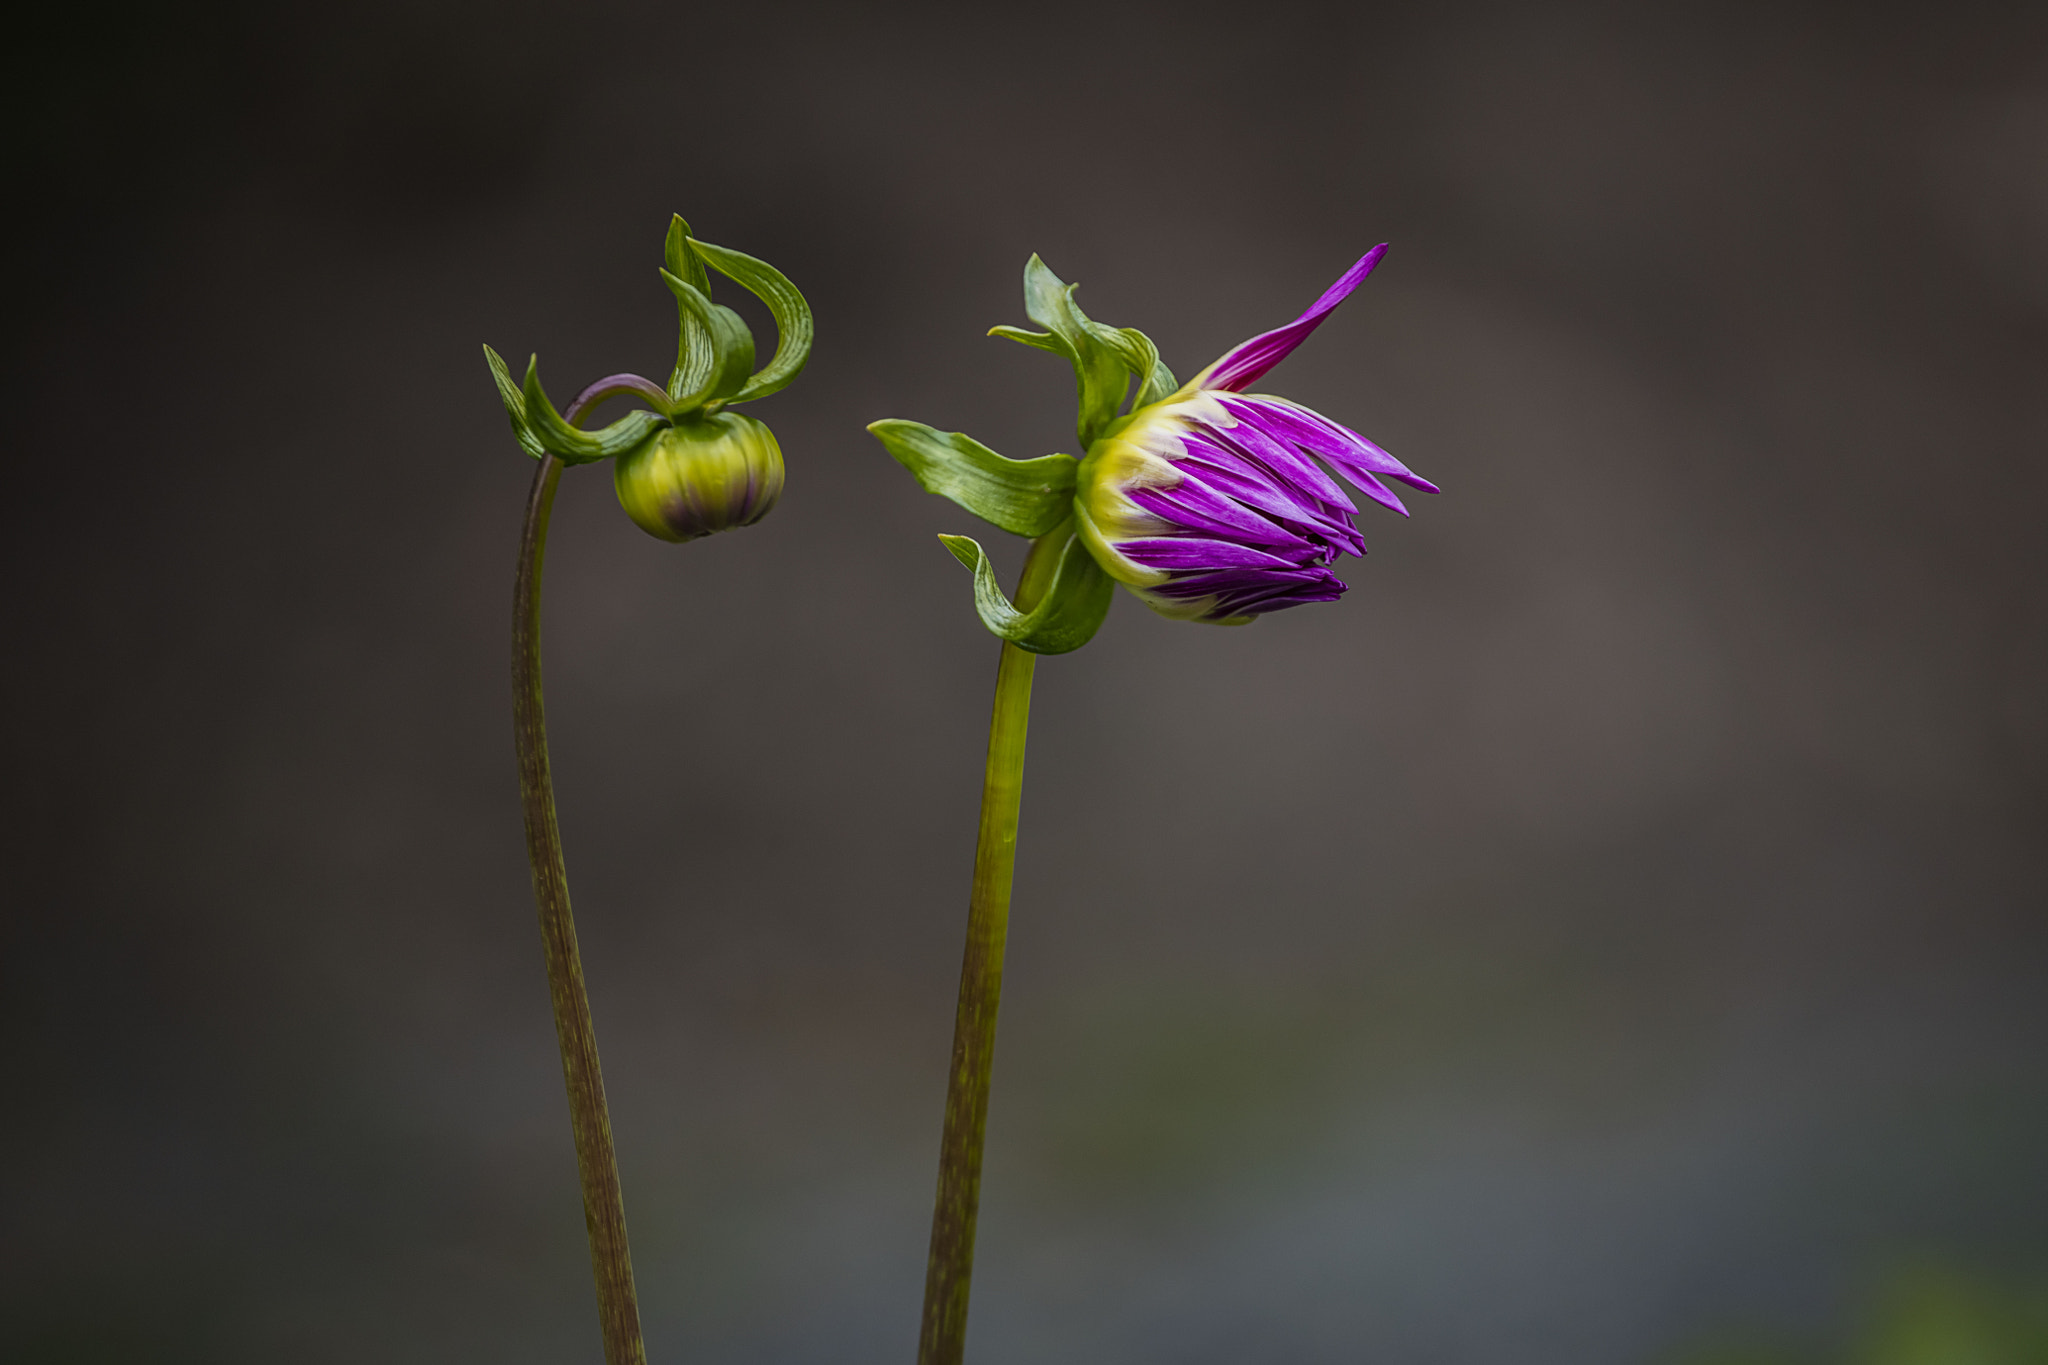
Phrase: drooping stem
(604, 1208)
(942, 1339)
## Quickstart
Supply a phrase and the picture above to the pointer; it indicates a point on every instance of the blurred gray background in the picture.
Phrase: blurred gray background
(1619, 921)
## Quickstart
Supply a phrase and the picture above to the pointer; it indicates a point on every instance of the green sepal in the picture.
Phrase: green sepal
(785, 304)
(1066, 618)
(1100, 355)
(695, 354)
(1099, 377)
(1026, 497)
(515, 405)
(1141, 358)
(1044, 341)
(1133, 349)
(572, 445)
(678, 254)
(732, 346)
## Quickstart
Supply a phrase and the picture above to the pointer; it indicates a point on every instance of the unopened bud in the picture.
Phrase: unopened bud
(687, 465)
(702, 475)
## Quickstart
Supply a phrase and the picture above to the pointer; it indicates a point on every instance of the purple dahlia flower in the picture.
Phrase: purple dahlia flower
(1210, 505)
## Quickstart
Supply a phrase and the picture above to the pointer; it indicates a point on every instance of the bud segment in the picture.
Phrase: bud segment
(701, 476)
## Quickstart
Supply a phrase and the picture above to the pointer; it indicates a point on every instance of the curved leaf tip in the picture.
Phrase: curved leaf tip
(1066, 618)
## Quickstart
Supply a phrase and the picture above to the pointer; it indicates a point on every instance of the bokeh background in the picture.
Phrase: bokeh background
(1618, 925)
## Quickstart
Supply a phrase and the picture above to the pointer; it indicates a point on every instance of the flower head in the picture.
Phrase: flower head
(1206, 501)
(1208, 505)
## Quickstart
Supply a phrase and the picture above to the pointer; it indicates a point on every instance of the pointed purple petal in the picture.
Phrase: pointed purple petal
(1231, 474)
(1230, 478)
(1197, 507)
(1333, 441)
(1240, 592)
(1370, 486)
(1229, 469)
(1251, 437)
(1245, 585)
(1194, 553)
(1282, 601)
(1246, 362)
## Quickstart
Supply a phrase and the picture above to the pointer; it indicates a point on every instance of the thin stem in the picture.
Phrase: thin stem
(604, 1208)
(943, 1337)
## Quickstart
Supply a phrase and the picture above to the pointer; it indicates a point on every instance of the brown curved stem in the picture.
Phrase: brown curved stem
(604, 1208)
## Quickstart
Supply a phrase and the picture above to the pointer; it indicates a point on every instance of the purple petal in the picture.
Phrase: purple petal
(1262, 455)
(1241, 592)
(1194, 553)
(1281, 601)
(1223, 472)
(1250, 359)
(1230, 470)
(1338, 444)
(1195, 506)
(1241, 583)
(1288, 465)
(1299, 513)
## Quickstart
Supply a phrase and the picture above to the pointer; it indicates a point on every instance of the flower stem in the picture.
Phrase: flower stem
(943, 1337)
(604, 1208)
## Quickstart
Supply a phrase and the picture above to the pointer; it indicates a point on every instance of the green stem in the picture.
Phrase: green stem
(604, 1208)
(943, 1338)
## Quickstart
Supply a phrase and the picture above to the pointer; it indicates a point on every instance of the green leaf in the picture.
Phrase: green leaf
(573, 445)
(785, 304)
(1066, 618)
(515, 405)
(732, 345)
(1028, 497)
(696, 357)
(1099, 372)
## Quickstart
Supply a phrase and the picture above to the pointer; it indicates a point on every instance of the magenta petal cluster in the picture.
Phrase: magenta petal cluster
(1210, 503)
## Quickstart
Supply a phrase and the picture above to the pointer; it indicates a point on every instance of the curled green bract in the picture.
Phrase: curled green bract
(715, 354)
(514, 399)
(728, 343)
(696, 358)
(714, 370)
(792, 318)
(1069, 614)
(573, 445)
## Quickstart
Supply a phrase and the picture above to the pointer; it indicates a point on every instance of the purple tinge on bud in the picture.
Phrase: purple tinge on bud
(1210, 504)
(701, 476)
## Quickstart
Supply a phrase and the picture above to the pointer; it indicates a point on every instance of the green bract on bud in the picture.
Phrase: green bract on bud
(690, 466)
(700, 476)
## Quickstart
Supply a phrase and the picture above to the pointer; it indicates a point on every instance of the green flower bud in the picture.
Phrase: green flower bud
(702, 475)
(686, 465)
